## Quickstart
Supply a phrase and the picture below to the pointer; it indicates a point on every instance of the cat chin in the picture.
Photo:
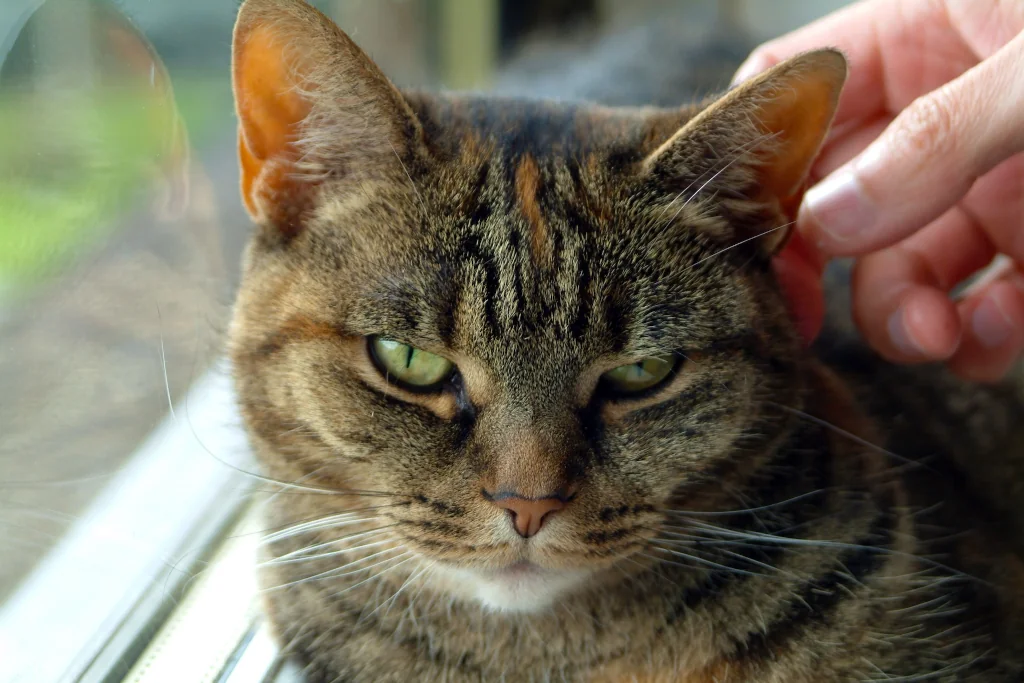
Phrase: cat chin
(519, 589)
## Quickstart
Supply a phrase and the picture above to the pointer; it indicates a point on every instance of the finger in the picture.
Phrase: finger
(888, 299)
(993, 320)
(852, 30)
(900, 310)
(924, 162)
(952, 248)
(897, 52)
(996, 203)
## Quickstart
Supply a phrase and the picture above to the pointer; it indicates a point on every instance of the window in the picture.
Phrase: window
(127, 530)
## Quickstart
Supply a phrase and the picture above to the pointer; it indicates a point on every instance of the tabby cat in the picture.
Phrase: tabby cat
(539, 410)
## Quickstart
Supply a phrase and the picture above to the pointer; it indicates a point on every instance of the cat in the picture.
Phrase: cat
(539, 410)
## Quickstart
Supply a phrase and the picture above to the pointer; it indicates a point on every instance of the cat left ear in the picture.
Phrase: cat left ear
(311, 105)
(760, 138)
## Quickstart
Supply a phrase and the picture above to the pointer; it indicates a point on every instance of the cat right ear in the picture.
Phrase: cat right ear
(758, 141)
(311, 107)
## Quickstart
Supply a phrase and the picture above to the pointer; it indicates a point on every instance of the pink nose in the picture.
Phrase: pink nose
(528, 515)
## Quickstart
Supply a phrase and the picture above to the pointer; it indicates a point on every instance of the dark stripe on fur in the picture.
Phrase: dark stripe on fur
(820, 598)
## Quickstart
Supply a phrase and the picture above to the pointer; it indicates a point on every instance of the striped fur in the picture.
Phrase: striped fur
(772, 514)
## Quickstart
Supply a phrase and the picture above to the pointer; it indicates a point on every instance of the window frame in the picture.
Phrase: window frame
(160, 517)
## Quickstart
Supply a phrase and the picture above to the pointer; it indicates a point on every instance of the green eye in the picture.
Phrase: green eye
(639, 376)
(409, 365)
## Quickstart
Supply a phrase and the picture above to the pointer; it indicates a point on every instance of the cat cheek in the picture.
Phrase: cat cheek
(800, 280)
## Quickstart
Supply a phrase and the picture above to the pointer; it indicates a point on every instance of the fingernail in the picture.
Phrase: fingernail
(839, 206)
(900, 335)
(990, 323)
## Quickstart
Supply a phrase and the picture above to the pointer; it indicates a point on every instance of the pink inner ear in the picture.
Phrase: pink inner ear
(799, 271)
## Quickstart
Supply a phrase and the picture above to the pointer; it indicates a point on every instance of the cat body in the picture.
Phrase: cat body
(604, 452)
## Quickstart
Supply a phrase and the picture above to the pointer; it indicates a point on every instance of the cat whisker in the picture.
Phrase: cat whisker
(782, 531)
(330, 522)
(744, 511)
(932, 675)
(412, 184)
(730, 553)
(343, 570)
(347, 538)
(740, 243)
(739, 153)
(309, 475)
(304, 554)
(408, 556)
(355, 542)
(334, 543)
(852, 437)
(697, 543)
(763, 538)
(292, 486)
(163, 365)
(286, 485)
(680, 536)
(391, 601)
(285, 527)
(695, 564)
(764, 565)
(300, 429)
(409, 610)
(699, 560)
(941, 600)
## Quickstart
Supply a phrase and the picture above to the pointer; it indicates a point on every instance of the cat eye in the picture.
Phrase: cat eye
(640, 376)
(415, 368)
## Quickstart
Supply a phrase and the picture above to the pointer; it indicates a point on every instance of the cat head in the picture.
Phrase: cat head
(530, 327)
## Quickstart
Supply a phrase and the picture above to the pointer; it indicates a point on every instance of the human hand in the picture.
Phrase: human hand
(921, 179)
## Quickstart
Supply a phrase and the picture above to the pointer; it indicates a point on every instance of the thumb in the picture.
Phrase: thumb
(924, 162)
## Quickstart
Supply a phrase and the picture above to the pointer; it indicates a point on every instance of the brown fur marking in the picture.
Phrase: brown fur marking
(527, 182)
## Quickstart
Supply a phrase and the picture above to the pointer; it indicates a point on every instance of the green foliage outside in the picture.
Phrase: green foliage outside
(69, 168)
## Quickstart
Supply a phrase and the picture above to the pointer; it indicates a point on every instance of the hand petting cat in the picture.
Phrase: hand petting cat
(922, 180)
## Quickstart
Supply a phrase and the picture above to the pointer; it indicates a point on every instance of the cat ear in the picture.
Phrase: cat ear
(759, 140)
(311, 106)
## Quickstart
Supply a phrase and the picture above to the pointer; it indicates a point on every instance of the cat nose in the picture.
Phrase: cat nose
(528, 514)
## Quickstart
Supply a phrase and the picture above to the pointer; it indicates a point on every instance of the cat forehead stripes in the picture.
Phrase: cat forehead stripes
(526, 183)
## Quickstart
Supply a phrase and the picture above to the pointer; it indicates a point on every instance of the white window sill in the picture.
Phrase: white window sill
(215, 634)
(91, 608)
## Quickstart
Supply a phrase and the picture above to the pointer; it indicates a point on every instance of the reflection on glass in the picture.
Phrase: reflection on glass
(113, 274)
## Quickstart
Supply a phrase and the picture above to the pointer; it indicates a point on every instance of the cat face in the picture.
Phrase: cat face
(529, 328)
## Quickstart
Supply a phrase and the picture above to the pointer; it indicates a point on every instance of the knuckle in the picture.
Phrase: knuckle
(929, 128)
(762, 55)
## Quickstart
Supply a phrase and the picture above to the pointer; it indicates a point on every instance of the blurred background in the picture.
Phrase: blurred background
(120, 224)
